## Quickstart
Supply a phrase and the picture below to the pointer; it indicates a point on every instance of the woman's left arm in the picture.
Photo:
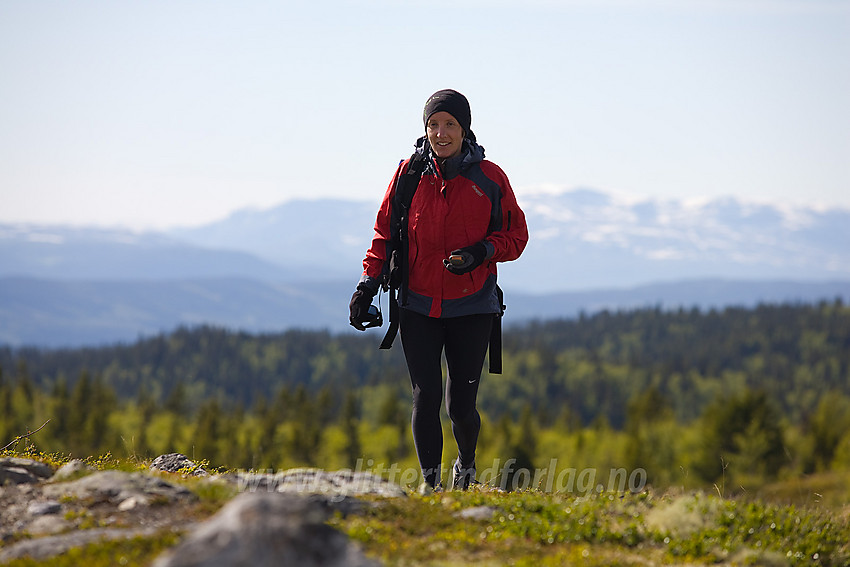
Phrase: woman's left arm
(510, 238)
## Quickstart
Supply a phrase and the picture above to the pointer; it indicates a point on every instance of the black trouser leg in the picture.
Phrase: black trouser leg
(465, 340)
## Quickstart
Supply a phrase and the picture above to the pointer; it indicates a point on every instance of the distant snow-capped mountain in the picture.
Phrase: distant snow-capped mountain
(580, 239)
(324, 236)
(593, 240)
(295, 265)
(65, 253)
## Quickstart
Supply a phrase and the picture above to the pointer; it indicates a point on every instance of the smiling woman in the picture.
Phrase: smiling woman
(462, 219)
(445, 135)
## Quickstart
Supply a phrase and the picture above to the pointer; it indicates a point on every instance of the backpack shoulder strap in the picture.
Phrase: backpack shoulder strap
(410, 180)
(405, 189)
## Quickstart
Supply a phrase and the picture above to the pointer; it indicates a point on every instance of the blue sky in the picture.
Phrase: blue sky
(171, 113)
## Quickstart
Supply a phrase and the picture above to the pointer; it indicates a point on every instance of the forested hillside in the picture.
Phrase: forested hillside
(689, 396)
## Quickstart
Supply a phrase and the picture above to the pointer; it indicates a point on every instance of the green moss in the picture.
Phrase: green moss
(212, 495)
(600, 529)
(803, 537)
(133, 552)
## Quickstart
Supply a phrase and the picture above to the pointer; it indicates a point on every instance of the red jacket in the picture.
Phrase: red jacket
(469, 201)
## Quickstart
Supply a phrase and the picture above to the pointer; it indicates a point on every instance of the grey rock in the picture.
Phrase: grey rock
(35, 468)
(268, 529)
(477, 513)
(117, 486)
(315, 481)
(71, 468)
(48, 525)
(176, 462)
(50, 546)
(14, 513)
(16, 475)
(44, 508)
(132, 503)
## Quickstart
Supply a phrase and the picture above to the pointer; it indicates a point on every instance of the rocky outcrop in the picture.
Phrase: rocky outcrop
(50, 546)
(22, 471)
(276, 519)
(74, 467)
(118, 487)
(268, 529)
(316, 481)
(52, 513)
(177, 463)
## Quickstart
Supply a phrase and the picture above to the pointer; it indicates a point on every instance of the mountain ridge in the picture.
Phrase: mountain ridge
(297, 263)
(595, 240)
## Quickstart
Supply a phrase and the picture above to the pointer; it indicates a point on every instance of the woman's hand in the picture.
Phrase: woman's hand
(466, 259)
(359, 306)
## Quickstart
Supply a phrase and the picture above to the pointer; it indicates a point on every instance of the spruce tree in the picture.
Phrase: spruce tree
(205, 441)
(146, 406)
(78, 441)
(7, 417)
(350, 419)
(60, 414)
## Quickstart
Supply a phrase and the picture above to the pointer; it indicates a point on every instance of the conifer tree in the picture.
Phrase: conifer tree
(648, 424)
(7, 417)
(392, 413)
(60, 413)
(519, 445)
(81, 395)
(22, 398)
(175, 405)
(283, 400)
(324, 407)
(268, 453)
(830, 422)
(205, 440)
(101, 404)
(235, 451)
(146, 406)
(306, 433)
(525, 447)
(742, 435)
(350, 419)
(176, 401)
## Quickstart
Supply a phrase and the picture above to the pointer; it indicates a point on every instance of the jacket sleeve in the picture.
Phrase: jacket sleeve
(511, 233)
(376, 264)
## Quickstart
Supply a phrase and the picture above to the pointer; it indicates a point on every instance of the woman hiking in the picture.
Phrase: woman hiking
(462, 220)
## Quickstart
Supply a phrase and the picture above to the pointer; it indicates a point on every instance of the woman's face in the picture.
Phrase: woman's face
(444, 134)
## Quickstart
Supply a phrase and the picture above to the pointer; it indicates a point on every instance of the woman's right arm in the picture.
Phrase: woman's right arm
(376, 262)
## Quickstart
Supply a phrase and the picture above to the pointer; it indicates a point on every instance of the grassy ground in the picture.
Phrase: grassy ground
(533, 528)
(796, 522)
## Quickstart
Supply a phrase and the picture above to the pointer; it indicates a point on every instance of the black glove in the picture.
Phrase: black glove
(472, 256)
(359, 306)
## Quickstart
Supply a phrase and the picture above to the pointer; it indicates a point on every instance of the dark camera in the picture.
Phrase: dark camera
(374, 318)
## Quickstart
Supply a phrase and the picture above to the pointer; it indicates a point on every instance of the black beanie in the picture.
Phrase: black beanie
(455, 104)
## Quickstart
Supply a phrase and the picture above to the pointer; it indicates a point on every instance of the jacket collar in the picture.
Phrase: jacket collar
(470, 154)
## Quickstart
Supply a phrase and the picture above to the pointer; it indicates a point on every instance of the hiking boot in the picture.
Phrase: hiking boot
(426, 489)
(462, 479)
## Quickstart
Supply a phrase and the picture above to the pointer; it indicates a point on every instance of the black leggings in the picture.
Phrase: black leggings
(465, 340)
